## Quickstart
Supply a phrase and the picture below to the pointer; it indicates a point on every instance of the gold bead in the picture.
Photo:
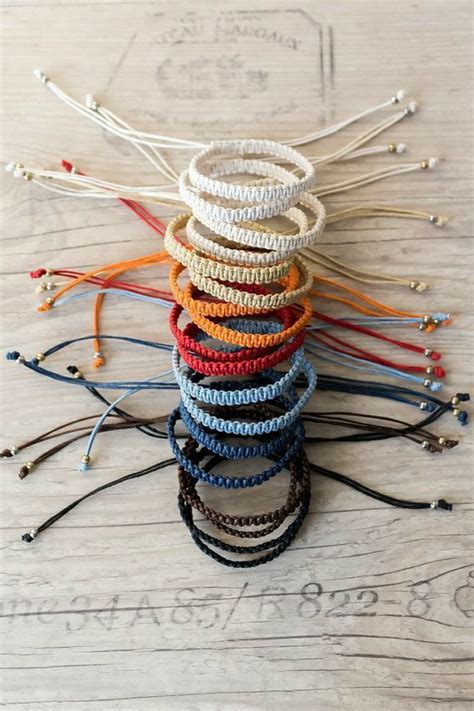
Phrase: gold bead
(442, 441)
(456, 412)
(392, 148)
(85, 459)
(454, 400)
(424, 164)
(27, 176)
(40, 357)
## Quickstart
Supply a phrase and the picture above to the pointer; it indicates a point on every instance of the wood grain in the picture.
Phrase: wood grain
(115, 609)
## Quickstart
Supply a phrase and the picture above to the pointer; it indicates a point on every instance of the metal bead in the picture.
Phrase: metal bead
(434, 505)
(85, 459)
(424, 164)
(392, 148)
(429, 369)
(27, 176)
(433, 218)
(19, 166)
(20, 359)
(97, 355)
(423, 405)
(14, 450)
(49, 285)
(425, 444)
(413, 284)
(30, 465)
(49, 300)
(427, 382)
(49, 272)
(455, 400)
(436, 322)
(427, 352)
(395, 99)
(422, 326)
(456, 412)
(33, 532)
(442, 441)
(40, 356)
(78, 375)
(427, 318)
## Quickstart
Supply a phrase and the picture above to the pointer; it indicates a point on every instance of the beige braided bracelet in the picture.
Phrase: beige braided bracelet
(201, 266)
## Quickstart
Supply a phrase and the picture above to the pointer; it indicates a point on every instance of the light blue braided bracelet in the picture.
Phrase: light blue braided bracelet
(254, 428)
(215, 396)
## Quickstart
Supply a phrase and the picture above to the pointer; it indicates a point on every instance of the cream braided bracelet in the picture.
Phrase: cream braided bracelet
(213, 245)
(215, 212)
(285, 244)
(203, 267)
(266, 302)
(245, 193)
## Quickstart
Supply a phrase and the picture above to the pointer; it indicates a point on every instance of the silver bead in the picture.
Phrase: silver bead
(49, 300)
(433, 218)
(20, 360)
(423, 405)
(49, 272)
(428, 352)
(33, 532)
(14, 450)
(422, 326)
(429, 369)
(425, 444)
(434, 505)
(97, 355)
(427, 382)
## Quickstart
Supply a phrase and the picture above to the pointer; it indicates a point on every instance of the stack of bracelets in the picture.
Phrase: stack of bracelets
(241, 361)
(256, 315)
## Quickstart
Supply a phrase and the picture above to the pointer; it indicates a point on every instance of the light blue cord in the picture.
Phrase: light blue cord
(95, 431)
(114, 292)
(374, 368)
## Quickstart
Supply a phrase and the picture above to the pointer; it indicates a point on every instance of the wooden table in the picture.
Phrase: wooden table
(114, 608)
